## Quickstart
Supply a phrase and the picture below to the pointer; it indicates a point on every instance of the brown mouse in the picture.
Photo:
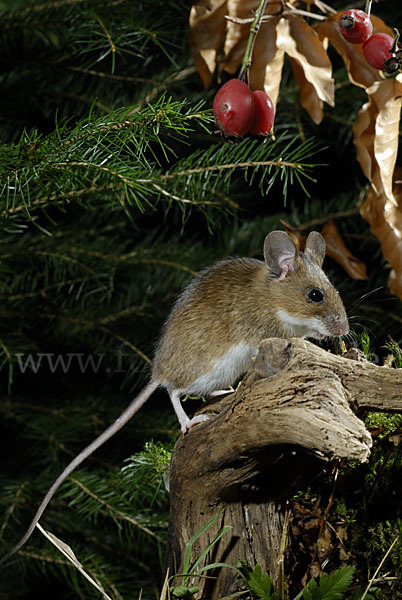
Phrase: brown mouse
(213, 331)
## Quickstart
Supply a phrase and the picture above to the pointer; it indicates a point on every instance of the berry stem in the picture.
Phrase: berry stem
(254, 29)
(368, 7)
(394, 47)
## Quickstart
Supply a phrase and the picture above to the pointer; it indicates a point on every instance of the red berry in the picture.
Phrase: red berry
(264, 114)
(233, 108)
(355, 26)
(377, 50)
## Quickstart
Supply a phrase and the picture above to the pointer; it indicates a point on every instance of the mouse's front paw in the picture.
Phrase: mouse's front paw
(194, 421)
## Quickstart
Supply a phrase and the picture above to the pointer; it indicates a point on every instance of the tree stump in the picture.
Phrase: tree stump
(292, 413)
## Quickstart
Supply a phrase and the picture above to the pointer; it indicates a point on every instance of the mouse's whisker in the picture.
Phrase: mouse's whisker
(363, 297)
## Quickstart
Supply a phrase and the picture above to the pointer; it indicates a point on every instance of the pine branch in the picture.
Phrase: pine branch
(60, 50)
(93, 497)
(115, 158)
(102, 156)
(81, 25)
(83, 288)
(101, 225)
(116, 514)
(251, 158)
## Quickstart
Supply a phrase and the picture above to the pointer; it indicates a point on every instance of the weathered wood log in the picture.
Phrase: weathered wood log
(291, 414)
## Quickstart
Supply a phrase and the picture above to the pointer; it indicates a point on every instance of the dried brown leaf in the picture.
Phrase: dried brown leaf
(236, 33)
(364, 133)
(311, 524)
(385, 220)
(376, 134)
(324, 542)
(395, 438)
(293, 36)
(337, 250)
(302, 44)
(267, 64)
(344, 555)
(315, 570)
(308, 96)
(388, 98)
(213, 21)
(360, 73)
(207, 32)
(342, 533)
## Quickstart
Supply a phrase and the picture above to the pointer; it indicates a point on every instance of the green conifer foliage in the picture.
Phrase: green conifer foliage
(115, 189)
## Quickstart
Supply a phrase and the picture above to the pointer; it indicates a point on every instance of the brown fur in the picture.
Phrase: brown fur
(231, 302)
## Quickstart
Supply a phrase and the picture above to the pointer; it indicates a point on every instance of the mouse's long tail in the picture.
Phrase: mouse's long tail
(127, 414)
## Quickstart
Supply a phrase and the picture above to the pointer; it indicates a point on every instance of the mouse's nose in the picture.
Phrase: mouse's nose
(337, 325)
(342, 328)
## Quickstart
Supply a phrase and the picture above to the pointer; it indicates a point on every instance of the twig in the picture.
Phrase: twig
(303, 13)
(391, 315)
(324, 518)
(291, 11)
(11, 508)
(254, 29)
(115, 77)
(95, 325)
(109, 37)
(379, 567)
(324, 7)
(281, 554)
(6, 351)
(253, 163)
(56, 197)
(44, 6)
(266, 18)
(163, 85)
(115, 511)
(321, 220)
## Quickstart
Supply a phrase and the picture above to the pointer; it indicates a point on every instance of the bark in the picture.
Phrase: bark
(292, 413)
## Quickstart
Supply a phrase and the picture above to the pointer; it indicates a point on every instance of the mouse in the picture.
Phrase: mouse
(212, 334)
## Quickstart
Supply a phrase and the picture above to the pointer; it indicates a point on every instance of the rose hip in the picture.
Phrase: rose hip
(377, 50)
(234, 107)
(355, 26)
(264, 114)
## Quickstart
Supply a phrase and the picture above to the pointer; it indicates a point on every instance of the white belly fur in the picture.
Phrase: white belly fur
(226, 370)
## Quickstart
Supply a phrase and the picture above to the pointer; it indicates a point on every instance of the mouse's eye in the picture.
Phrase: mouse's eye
(315, 295)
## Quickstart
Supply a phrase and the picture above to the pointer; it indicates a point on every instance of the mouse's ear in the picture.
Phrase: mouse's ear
(315, 248)
(279, 254)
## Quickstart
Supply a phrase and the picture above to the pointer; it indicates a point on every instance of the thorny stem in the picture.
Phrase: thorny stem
(368, 7)
(254, 29)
